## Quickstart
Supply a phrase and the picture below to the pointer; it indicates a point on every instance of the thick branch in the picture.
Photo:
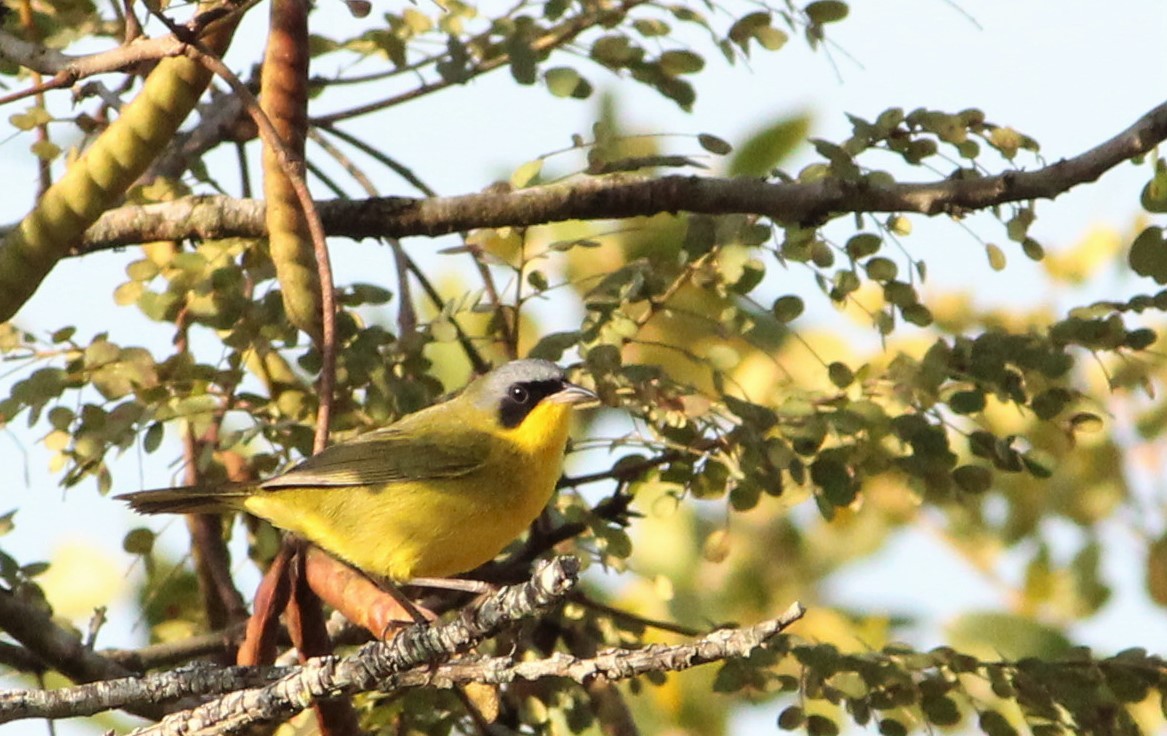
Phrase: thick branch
(629, 196)
(96, 697)
(62, 650)
(328, 673)
(375, 663)
(59, 649)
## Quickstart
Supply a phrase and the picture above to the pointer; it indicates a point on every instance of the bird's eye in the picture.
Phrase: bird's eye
(519, 394)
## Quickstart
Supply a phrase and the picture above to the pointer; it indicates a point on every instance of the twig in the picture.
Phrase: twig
(67, 70)
(288, 162)
(553, 38)
(617, 613)
(173, 652)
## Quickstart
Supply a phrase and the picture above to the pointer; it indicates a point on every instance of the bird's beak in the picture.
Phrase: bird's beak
(574, 395)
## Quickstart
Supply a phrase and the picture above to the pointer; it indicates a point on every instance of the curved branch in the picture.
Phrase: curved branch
(629, 196)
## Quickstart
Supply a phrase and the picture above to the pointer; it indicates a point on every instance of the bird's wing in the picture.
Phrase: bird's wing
(389, 455)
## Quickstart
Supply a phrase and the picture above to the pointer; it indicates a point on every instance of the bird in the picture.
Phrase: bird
(435, 494)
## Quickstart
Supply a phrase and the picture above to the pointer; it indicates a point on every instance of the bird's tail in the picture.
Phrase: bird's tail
(189, 499)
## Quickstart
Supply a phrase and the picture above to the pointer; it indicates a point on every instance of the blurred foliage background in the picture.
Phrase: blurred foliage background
(745, 454)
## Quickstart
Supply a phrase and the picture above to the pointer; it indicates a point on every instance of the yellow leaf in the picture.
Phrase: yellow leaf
(80, 579)
(526, 173)
(716, 547)
(1097, 248)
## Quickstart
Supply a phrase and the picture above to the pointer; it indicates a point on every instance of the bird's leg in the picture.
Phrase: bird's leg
(414, 611)
(478, 587)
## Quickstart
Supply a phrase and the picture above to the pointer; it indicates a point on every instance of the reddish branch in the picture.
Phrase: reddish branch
(630, 196)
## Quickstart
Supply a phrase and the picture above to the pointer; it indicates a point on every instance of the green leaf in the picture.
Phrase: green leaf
(563, 81)
(826, 11)
(770, 38)
(1157, 570)
(1049, 403)
(863, 245)
(1004, 635)
(940, 709)
(996, 256)
(768, 147)
(817, 725)
(526, 173)
(835, 480)
(892, 727)
(967, 402)
(1154, 195)
(840, 374)
(791, 718)
(1148, 256)
(368, 294)
(787, 308)
(713, 144)
(537, 280)
(7, 523)
(1032, 249)
(139, 541)
(152, 440)
(747, 27)
(615, 51)
(973, 478)
(523, 58)
(917, 314)
(881, 269)
(650, 27)
(681, 62)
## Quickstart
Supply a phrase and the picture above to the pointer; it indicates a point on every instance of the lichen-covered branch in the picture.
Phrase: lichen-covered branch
(375, 663)
(612, 664)
(96, 697)
(630, 196)
(412, 659)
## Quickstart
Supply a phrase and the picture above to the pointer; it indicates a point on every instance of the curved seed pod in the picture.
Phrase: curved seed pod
(97, 180)
(356, 596)
(284, 98)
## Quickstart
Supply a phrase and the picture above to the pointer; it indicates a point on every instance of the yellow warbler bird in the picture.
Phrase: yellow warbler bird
(435, 494)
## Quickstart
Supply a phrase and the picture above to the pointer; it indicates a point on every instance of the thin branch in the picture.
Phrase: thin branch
(222, 601)
(630, 196)
(67, 70)
(289, 164)
(216, 643)
(634, 618)
(553, 38)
